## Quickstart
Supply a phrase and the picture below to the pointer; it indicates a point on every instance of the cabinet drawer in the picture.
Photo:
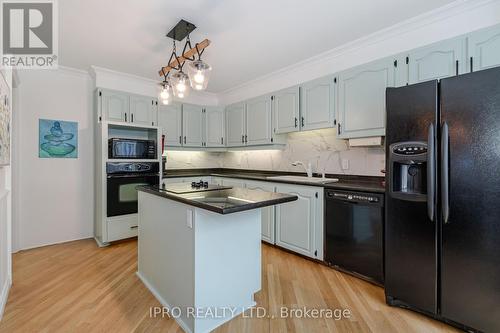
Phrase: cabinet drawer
(122, 227)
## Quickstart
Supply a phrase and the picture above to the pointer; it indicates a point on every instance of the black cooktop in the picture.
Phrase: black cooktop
(180, 188)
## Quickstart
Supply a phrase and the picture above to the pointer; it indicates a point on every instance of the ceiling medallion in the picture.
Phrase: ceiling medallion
(198, 71)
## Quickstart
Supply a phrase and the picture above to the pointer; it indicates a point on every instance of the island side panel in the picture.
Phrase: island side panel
(227, 263)
(166, 253)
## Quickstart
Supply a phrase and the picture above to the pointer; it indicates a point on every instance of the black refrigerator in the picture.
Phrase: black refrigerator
(442, 231)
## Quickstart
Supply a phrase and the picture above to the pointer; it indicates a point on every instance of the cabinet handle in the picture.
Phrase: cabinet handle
(132, 117)
(471, 64)
(184, 139)
(296, 122)
(246, 138)
(125, 117)
(134, 227)
(302, 121)
(221, 141)
(339, 127)
(456, 66)
(180, 140)
(242, 139)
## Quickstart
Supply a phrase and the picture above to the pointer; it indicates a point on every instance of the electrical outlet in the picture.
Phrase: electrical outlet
(345, 164)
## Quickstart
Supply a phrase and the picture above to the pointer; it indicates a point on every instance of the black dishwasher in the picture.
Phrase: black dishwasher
(354, 229)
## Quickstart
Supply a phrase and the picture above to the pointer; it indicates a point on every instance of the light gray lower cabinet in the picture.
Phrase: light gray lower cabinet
(259, 121)
(317, 103)
(115, 105)
(437, 61)
(299, 224)
(286, 110)
(267, 212)
(170, 122)
(235, 125)
(142, 110)
(214, 126)
(362, 99)
(484, 49)
(192, 125)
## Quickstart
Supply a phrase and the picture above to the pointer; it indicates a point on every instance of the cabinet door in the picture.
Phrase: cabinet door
(192, 125)
(235, 125)
(259, 121)
(214, 126)
(115, 106)
(286, 110)
(437, 61)
(142, 110)
(296, 221)
(170, 122)
(317, 103)
(362, 99)
(484, 49)
(267, 232)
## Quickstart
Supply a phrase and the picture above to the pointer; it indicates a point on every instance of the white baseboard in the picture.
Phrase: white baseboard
(162, 301)
(4, 295)
(54, 243)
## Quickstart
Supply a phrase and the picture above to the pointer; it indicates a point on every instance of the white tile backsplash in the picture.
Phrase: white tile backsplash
(320, 147)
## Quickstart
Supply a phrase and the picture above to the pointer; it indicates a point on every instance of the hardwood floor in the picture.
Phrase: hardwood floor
(77, 287)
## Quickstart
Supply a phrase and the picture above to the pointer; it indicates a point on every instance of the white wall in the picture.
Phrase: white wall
(456, 19)
(55, 195)
(5, 215)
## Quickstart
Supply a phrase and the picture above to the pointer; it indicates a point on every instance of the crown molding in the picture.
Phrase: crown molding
(450, 10)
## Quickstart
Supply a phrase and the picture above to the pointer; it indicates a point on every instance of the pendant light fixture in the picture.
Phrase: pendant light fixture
(198, 72)
(166, 92)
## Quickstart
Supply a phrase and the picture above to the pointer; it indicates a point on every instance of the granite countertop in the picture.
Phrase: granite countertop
(224, 201)
(346, 182)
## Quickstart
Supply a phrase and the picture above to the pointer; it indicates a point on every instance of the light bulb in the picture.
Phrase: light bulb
(198, 87)
(181, 87)
(199, 77)
(165, 101)
(164, 93)
(180, 94)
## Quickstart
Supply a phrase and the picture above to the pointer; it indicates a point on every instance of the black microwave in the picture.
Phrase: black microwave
(131, 149)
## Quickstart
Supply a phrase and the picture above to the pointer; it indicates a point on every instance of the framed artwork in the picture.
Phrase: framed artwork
(4, 123)
(57, 139)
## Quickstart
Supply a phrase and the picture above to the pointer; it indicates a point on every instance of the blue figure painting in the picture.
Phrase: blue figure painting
(58, 139)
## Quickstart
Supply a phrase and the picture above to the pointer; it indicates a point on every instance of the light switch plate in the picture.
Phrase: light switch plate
(189, 220)
(345, 164)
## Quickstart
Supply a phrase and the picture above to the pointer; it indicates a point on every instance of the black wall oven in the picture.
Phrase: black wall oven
(354, 231)
(131, 149)
(122, 180)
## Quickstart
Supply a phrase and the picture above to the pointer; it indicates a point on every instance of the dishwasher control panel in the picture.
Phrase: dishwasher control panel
(353, 196)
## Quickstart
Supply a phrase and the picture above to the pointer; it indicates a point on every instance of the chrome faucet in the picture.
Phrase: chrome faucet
(308, 168)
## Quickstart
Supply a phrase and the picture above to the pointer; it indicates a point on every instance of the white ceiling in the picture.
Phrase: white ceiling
(249, 38)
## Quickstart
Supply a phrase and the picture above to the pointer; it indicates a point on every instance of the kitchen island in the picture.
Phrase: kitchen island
(199, 250)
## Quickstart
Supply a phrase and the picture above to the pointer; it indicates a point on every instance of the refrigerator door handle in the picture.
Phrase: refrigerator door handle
(445, 197)
(431, 173)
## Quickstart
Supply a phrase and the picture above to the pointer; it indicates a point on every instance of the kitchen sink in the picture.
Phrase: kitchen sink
(304, 179)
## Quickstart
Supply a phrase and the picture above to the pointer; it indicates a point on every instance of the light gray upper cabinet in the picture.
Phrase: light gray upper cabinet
(235, 125)
(170, 122)
(142, 110)
(286, 110)
(317, 103)
(401, 70)
(192, 125)
(115, 105)
(437, 61)
(484, 49)
(362, 99)
(259, 121)
(214, 126)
